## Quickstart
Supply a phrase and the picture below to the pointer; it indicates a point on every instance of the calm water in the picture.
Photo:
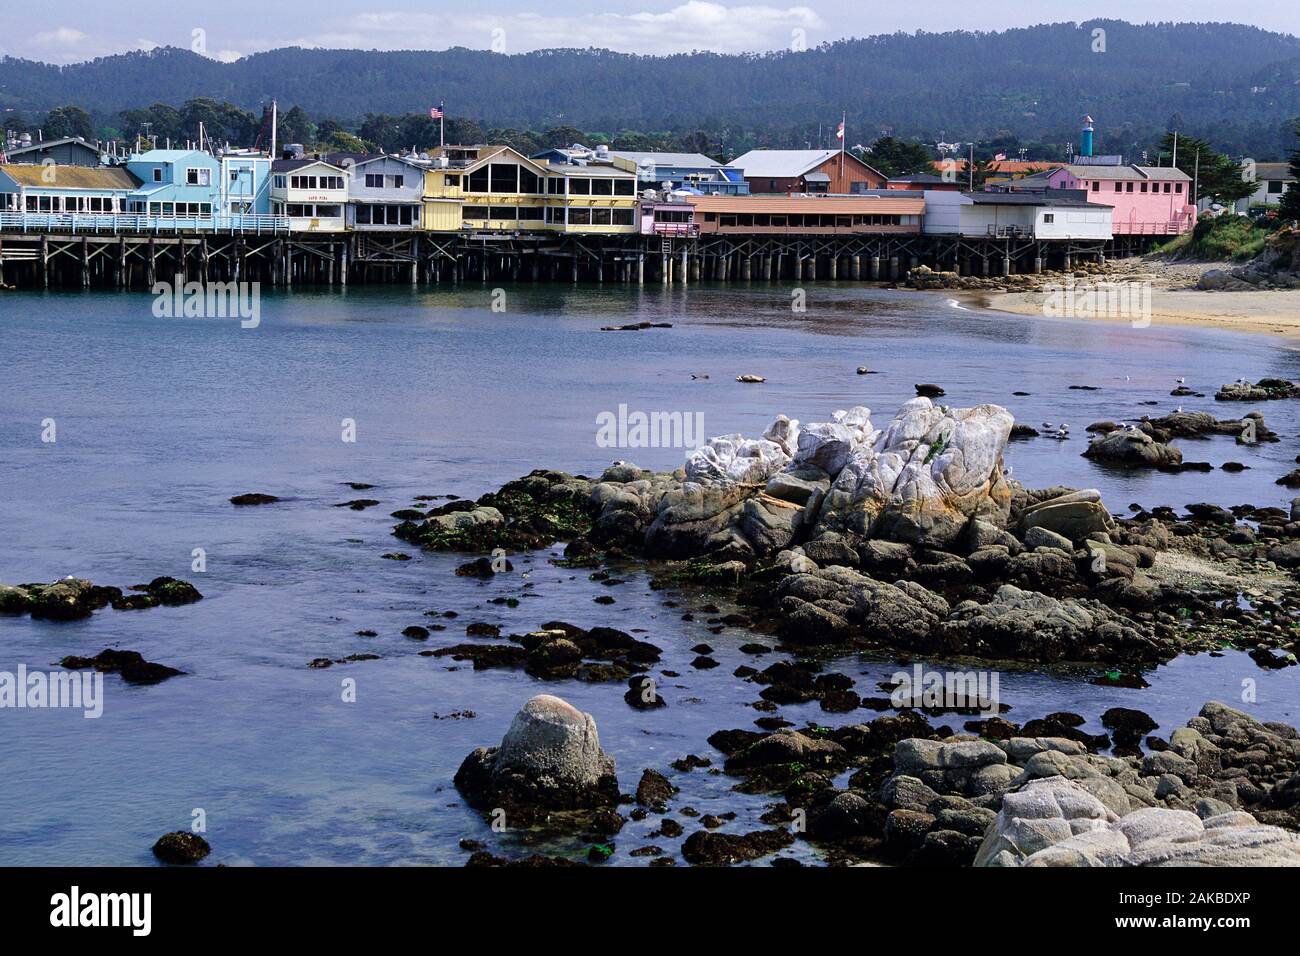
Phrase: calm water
(160, 421)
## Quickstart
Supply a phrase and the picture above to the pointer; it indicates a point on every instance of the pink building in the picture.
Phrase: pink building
(1148, 200)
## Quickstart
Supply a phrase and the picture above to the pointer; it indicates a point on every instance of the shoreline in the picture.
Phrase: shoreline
(1260, 312)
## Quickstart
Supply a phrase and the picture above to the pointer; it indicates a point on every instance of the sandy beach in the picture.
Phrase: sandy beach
(1269, 312)
(1175, 300)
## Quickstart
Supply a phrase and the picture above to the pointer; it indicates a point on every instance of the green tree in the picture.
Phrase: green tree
(894, 157)
(68, 121)
(1289, 208)
(1218, 177)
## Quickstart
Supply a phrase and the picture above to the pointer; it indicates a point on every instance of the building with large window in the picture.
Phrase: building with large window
(180, 183)
(312, 193)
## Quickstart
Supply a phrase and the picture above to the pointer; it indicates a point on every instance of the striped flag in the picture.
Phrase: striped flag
(839, 133)
(435, 112)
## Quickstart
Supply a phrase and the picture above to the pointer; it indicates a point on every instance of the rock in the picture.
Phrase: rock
(132, 666)
(550, 758)
(654, 790)
(253, 498)
(710, 848)
(181, 847)
(929, 390)
(1070, 514)
(14, 600)
(1045, 812)
(1132, 447)
(1040, 537)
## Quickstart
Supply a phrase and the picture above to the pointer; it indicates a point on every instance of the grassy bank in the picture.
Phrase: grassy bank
(1217, 239)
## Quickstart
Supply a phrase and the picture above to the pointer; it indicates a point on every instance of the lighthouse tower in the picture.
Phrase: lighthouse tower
(1085, 140)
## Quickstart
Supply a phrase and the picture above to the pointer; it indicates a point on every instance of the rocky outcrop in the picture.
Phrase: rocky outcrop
(1054, 821)
(921, 479)
(1266, 389)
(549, 760)
(70, 598)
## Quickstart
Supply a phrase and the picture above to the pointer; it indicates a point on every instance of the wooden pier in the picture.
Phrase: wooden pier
(126, 261)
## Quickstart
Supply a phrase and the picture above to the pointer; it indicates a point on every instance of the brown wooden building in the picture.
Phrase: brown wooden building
(807, 171)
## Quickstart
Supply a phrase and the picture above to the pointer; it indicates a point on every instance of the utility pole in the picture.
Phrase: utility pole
(970, 170)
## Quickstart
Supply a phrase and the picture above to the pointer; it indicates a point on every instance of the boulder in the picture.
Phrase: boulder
(549, 759)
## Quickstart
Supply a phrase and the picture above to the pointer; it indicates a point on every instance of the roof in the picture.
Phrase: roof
(1274, 171)
(785, 163)
(70, 177)
(289, 165)
(999, 165)
(600, 170)
(51, 143)
(167, 155)
(1046, 198)
(1133, 171)
(666, 159)
(892, 205)
(918, 178)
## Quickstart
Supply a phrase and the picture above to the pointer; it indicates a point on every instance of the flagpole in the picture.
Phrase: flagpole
(442, 123)
(844, 138)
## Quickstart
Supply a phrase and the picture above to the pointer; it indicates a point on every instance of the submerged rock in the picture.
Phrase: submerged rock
(130, 664)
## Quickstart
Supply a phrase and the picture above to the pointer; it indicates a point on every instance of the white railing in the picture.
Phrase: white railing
(127, 223)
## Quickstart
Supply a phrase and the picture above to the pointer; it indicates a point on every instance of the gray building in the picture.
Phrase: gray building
(69, 151)
(385, 193)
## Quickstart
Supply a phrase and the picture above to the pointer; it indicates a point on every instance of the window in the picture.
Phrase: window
(157, 174)
(1144, 187)
(478, 180)
(1049, 217)
(363, 214)
(602, 187)
(529, 181)
(600, 217)
(579, 217)
(1275, 186)
(623, 217)
(624, 187)
(505, 177)
(555, 186)
(1167, 185)
(281, 181)
(1119, 187)
(502, 212)
(1128, 187)
(451, 180)
(198, 177)
(771, 184)
(1096, 186)
(579, 187)
(1178, 187)
(374, 181)
(331, 182)
(530, 213)
(399, 181)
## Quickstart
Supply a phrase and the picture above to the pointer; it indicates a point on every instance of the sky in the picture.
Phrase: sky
(70, 31)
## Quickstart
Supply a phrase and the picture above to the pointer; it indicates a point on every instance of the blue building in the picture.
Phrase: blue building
(686, 171)
(245, 184)
(185, 183)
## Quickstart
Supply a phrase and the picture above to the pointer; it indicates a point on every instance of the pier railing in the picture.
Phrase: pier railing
(91, 223)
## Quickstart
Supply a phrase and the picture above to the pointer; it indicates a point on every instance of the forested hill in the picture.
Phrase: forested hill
(1030, 82)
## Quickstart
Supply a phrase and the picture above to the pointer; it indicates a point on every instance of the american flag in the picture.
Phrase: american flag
(435, 112)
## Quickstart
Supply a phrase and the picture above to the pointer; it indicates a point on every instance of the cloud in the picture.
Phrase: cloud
(694, 25)
(60, 36)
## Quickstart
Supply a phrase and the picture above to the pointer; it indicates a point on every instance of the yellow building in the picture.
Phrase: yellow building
(443, 200)
(498, 189)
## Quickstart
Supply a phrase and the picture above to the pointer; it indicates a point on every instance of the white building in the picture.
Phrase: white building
(311, 192)
(1058, 214)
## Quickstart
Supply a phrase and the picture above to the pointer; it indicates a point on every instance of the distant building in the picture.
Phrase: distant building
(1027, 214)
(807, 171)
(999, 170)
(1272, 181)
(245, 183)
(69, 151)
(1148, 200)
(914, 181)
(685, 171)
